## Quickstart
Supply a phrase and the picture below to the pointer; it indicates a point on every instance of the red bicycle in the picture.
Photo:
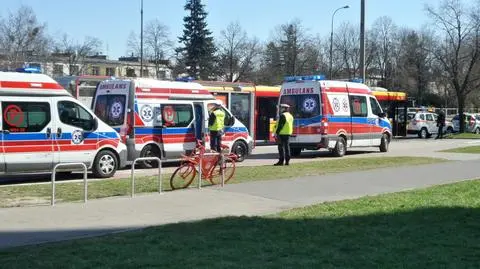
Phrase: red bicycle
(212, 167)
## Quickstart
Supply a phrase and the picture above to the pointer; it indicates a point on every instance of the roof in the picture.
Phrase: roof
(25, 84)
(163, 89)
(390, 96)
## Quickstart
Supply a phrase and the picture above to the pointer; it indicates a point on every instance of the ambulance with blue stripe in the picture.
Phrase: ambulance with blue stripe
(334, 114)
(163, 118)
(43, 125)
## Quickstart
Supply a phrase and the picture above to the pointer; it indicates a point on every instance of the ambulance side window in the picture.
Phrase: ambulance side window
(176, 115)
(75, 115)
(358, 106)
(376, 109)
(21, 117)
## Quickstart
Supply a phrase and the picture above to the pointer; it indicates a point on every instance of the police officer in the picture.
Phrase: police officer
(283, 131)
(440, 124)
(216, 123)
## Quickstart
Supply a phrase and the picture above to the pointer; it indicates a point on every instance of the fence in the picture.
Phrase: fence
(85, 185)
(76, 166)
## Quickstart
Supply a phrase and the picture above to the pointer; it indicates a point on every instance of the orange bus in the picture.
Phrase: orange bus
(395, 105)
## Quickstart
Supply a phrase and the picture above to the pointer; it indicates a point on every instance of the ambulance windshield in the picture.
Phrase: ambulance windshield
(111, 109)
(302, 106)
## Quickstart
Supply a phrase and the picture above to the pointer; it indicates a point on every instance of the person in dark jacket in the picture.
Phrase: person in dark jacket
(440, 124)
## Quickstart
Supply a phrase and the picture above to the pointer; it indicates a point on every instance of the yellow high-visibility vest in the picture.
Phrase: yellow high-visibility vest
(219, 120)
(287, 128)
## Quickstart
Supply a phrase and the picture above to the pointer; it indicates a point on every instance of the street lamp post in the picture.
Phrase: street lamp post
(141, 39)
(331, 41)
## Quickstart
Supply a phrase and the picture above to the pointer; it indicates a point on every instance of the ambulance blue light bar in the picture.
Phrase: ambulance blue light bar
(185, 79)
(356, 80)
(28, 70)
(305, 78)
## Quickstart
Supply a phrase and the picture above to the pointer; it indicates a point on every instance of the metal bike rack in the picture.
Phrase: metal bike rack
(200, 167)
(54, 172)
(159, 172)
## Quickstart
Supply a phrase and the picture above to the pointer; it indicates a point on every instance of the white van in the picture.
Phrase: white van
(164, 118)
(43, 125)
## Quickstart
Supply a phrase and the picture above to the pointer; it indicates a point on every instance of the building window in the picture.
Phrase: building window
(110, 71)
(131, 72)
(58, 70)
(95, 71)
(162, 74)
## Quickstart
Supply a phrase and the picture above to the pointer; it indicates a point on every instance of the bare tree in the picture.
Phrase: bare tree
(237, 53)
(383, 36)
(22, 37)
(133, 44)
(347, 47)
(158, 47)
(458, 51)
(299, 54)
(76, 52)
(157, 43)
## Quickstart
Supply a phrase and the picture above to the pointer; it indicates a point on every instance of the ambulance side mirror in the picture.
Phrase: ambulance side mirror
(382, 114)
(94, 124)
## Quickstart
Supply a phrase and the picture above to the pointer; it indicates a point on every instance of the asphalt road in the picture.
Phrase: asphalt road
(267, 155)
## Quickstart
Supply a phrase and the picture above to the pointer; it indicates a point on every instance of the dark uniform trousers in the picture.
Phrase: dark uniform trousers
(284, 148)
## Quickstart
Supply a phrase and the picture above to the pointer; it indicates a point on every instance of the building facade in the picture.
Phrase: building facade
(58, 65)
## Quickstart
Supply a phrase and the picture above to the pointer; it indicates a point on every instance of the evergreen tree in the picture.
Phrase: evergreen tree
(198, 51)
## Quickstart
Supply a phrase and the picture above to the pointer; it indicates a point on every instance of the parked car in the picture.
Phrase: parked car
(424, 124)
(472, 123)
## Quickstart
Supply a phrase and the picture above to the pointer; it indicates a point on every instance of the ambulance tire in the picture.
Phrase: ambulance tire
(295, 152)
(384, 144)
(240, 149)
(105, 164)
(340, 147)
(149, 151)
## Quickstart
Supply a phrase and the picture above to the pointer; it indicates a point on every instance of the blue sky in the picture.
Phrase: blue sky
(112, 20)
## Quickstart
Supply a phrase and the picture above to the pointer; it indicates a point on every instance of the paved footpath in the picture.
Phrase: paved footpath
(32, 225)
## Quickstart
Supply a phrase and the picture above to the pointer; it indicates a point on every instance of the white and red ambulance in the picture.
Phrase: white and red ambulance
(334, 114)
(164, 118)
(43, 125)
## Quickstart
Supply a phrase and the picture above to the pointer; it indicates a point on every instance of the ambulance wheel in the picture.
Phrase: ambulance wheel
(240, 149)
(384, 144)
(149, 151)
(340, 147)
(295, 152)
(105, 164)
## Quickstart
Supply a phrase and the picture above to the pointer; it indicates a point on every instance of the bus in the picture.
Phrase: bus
(395, 104)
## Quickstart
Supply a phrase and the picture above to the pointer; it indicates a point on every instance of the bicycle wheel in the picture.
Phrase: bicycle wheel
(183, 176)
(228, 168)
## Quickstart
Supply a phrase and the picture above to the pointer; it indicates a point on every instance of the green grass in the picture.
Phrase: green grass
(470, 149)
(40, 193)
(438, 227)
(463, 136)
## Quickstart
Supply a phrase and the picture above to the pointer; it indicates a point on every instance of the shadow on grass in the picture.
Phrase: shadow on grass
(309, 154)
(442, 237)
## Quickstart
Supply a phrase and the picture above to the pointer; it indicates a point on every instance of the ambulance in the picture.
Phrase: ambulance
(164, 118)
(43, 125)
(334, 114)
